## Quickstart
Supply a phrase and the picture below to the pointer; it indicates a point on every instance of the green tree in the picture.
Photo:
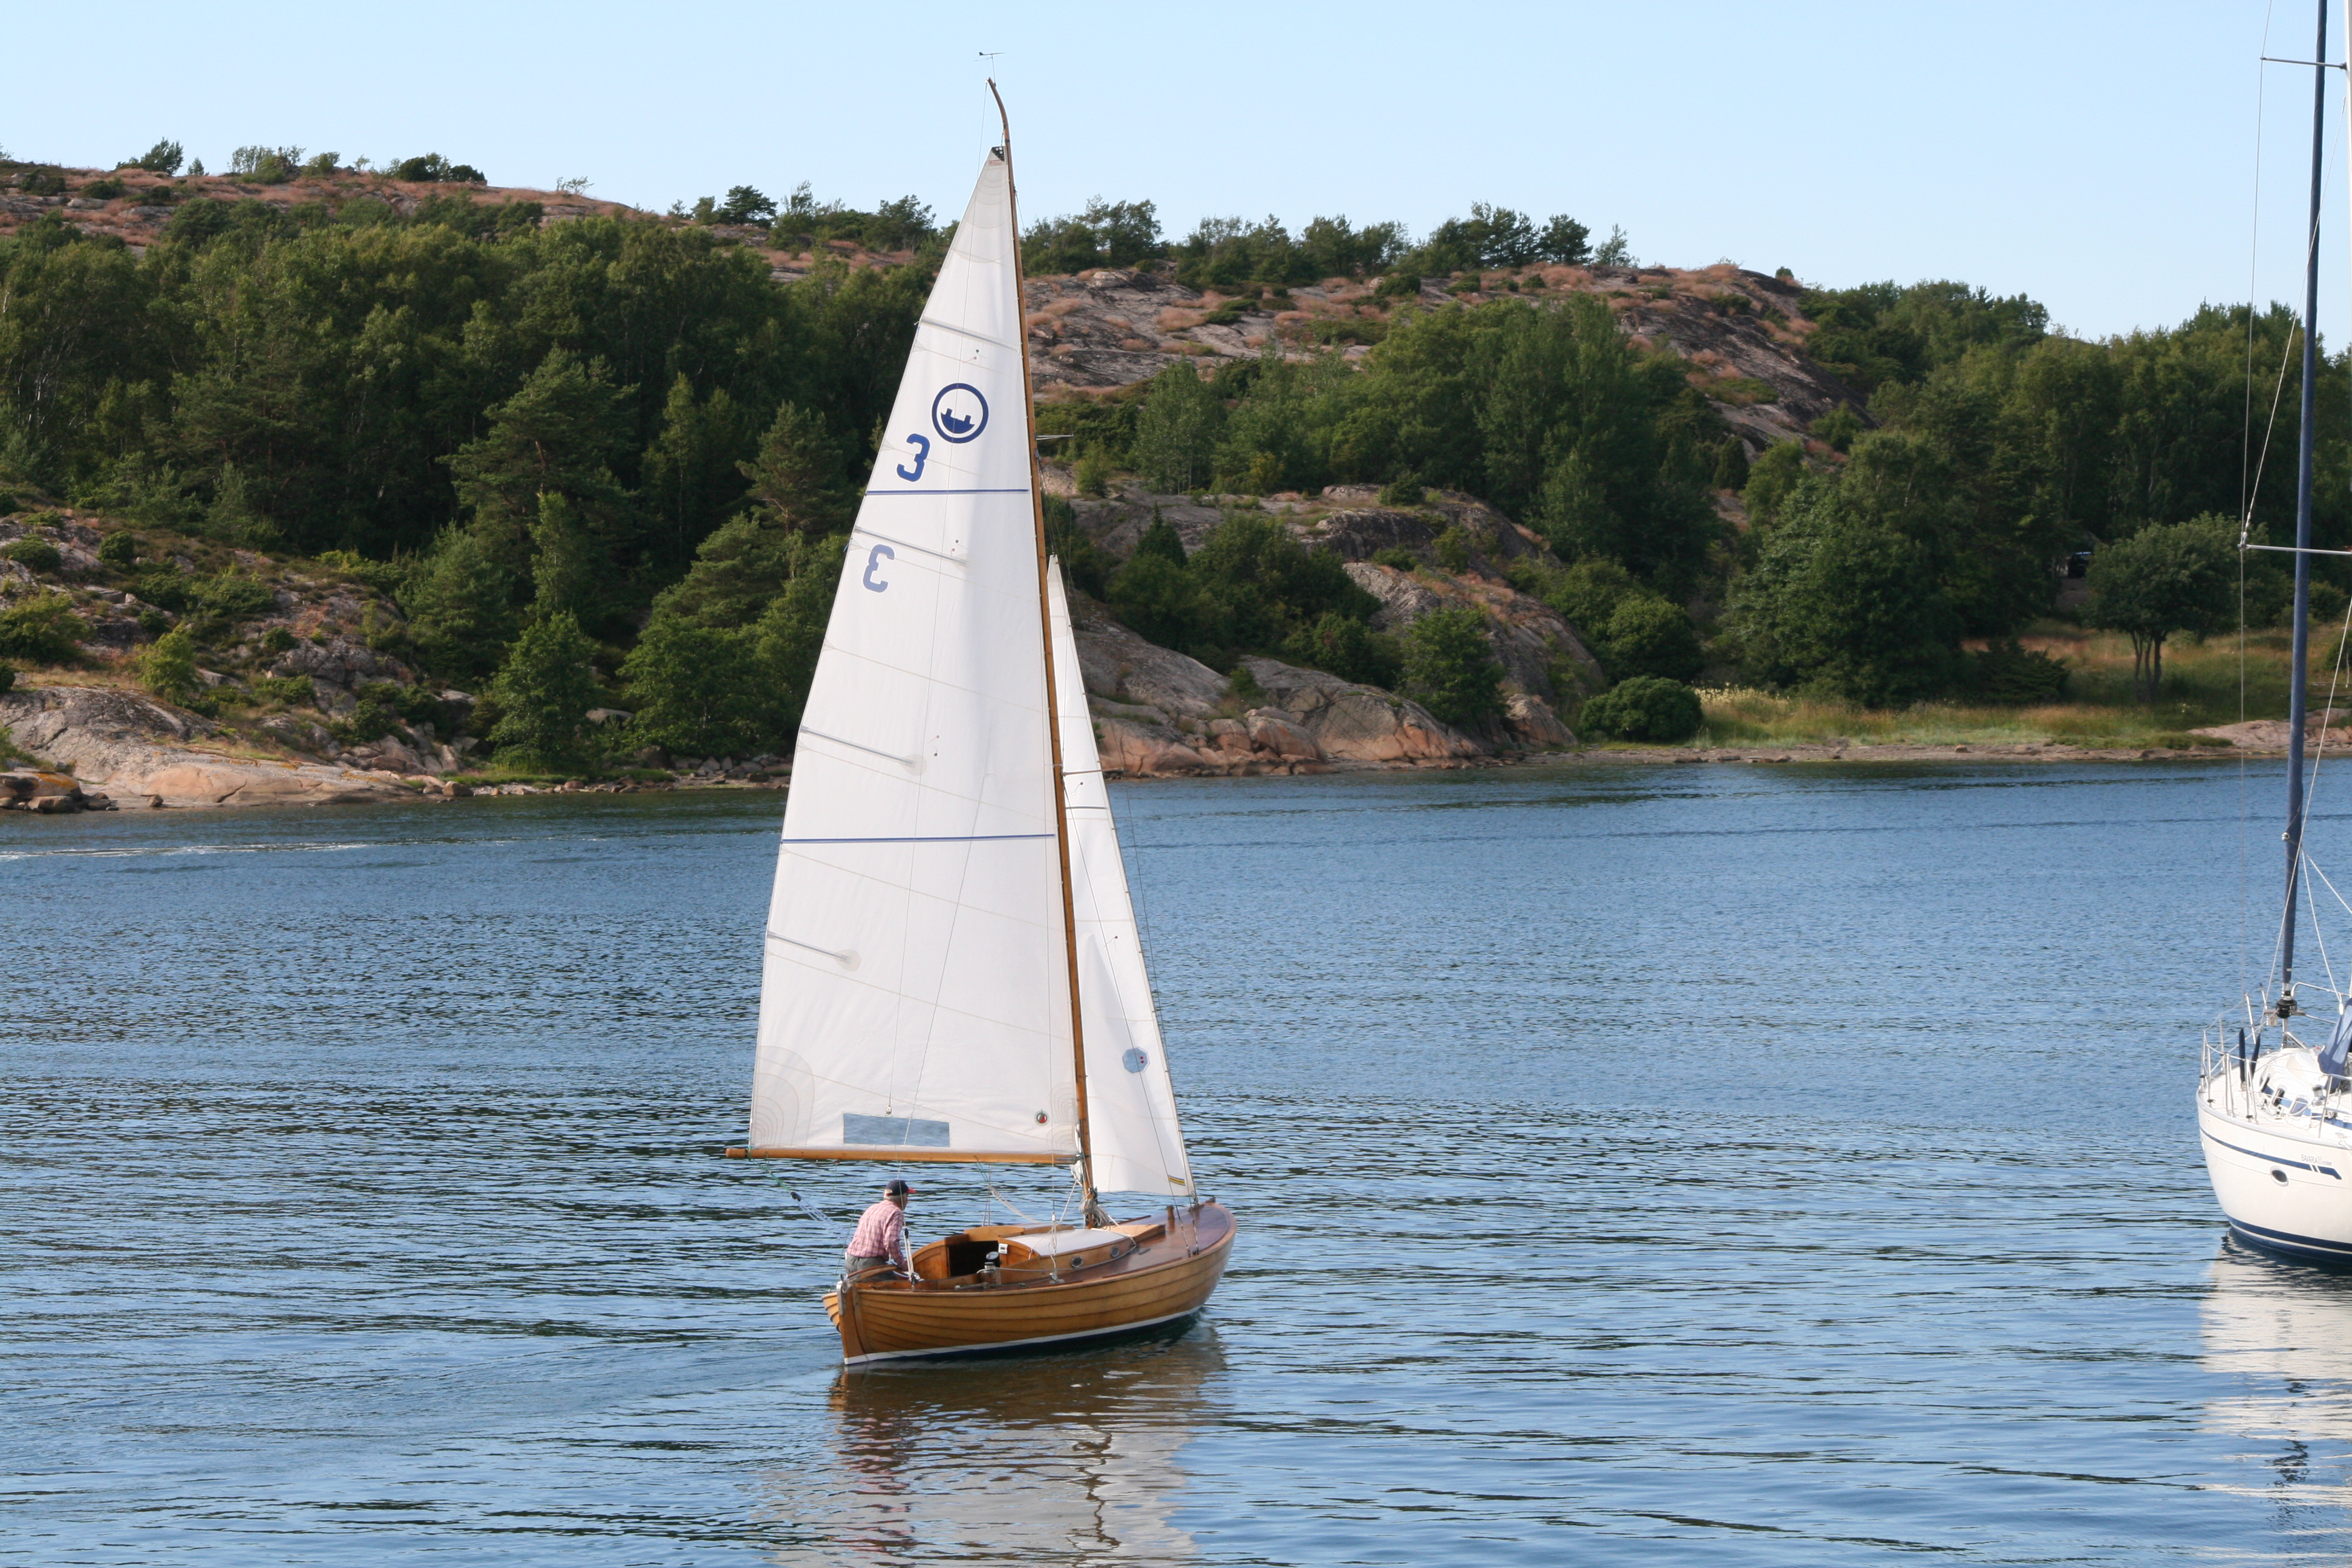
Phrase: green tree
(1159, 599)
(560, 433)
(167, 666)
(1772, 479)
(1647, 635)
(460, 603)
(1177, 429)
(544, 694)
(693, 471)
(1161, 540)
(1450, 667)
(1348, 647)
(796, 476)
(2166, 578)
(697, 691)
(1846, 605)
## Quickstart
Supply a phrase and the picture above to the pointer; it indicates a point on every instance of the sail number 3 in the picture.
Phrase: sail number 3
(874, 559)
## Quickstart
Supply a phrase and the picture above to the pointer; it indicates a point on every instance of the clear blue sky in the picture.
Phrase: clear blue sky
(2097, 156)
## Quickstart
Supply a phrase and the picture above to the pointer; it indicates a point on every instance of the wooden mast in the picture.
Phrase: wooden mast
(1053, 708)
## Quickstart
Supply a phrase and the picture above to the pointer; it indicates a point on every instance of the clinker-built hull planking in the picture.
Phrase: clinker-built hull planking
(1170, 1277)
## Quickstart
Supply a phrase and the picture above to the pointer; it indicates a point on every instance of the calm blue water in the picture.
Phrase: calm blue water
(1775, 1166)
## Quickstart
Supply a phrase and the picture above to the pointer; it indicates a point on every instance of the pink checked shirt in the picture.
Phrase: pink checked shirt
(881, 1233)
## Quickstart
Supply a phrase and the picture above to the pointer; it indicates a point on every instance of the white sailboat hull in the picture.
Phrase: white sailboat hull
(2280, 1156)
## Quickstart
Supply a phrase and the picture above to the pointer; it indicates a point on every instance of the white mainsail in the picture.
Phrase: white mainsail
(914, 993)
(1136, 1142)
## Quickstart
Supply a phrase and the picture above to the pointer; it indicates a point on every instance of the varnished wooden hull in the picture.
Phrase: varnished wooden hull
(1170, 1278)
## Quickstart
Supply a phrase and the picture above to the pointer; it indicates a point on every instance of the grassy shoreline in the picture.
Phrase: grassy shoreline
(2206, 683)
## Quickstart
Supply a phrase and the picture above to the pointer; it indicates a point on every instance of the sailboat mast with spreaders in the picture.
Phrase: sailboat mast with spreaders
(2272, 1111)
(953, 971)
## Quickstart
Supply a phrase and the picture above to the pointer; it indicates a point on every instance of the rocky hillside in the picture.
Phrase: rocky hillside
(137, 214)
(1743, 332)
(290, 654)
(1157, 711)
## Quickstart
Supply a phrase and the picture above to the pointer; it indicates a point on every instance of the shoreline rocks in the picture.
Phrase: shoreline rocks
(147, 756)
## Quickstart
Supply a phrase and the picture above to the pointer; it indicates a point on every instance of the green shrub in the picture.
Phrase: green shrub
(1337, 330)
(265, 166)
(1742, 390)
(2007, 673)
(167, 668)
(384, 577)
(434, 167)
(33, 551)
(1161, 540)
(1406, 491)
(1838, 428)
(1450, 667)
(1159, 599)
(42, 629)
(166, 587)
(2181, 741)
(104, 190)
(1348, 648)
(7, 683)
(1648, 635)
(1646, 708)
(1085, 566)
(1398, 556)
(1453, 550)
(294, 690)
(1093, 472)
(276, 639)
(233, 596)
(119, 548)
(1398, 286)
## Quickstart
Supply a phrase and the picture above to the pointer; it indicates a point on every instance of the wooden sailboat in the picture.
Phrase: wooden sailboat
(952, 969)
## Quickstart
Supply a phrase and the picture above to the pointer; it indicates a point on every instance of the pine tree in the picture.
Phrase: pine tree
(544, 693)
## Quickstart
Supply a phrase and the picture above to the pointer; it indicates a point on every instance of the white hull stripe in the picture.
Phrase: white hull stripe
(2275, 1158)
(1017, 1344)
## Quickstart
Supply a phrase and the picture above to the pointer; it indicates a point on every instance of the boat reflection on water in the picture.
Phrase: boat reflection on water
(2279, 1335)
(1043, 1459)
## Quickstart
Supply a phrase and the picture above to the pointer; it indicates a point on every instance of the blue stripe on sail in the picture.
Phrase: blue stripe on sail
(948, 838)
(1013, 490)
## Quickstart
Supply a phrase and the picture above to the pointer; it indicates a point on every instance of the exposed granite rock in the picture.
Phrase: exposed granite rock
(147, 755)
(1121, 666)
(1357, 724)
(47, 795)
(338, 668)
(1534, 725)
(1140, 749)
(1540, 651)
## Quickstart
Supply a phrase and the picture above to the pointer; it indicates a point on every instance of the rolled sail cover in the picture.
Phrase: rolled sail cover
(915, 998)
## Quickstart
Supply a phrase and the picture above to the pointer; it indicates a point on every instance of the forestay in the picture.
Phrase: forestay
(915, 994)
(1136, 1142)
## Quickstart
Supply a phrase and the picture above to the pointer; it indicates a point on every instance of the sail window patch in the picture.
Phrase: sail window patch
(1134, 1060)
(901, 1131)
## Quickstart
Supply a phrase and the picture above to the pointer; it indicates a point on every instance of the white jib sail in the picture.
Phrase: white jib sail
(915, 998)
(1131, 1123)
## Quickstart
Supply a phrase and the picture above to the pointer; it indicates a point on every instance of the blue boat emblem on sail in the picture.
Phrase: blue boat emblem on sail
(1134, 1060)
(959, 413)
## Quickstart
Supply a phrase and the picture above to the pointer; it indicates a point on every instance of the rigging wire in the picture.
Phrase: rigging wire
(2246, 511)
